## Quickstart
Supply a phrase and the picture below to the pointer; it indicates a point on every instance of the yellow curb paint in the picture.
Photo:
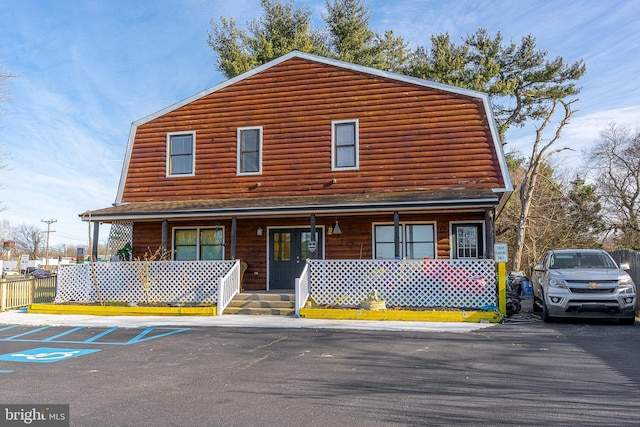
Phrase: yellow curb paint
(121, 311)
(408, 315)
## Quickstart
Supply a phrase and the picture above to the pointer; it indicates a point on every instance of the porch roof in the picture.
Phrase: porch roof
(298, 205)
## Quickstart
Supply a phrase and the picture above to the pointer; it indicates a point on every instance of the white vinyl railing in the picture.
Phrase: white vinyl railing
(228, 287)
(455, 283)
(302, 289)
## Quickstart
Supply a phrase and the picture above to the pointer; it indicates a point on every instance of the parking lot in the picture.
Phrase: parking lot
(525, 373)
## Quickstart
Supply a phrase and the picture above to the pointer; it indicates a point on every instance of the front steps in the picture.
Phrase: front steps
(262, 303)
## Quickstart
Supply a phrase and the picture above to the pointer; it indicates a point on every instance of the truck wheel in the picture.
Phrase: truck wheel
(536, 307)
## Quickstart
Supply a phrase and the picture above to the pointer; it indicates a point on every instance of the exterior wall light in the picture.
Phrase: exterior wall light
(259, 231)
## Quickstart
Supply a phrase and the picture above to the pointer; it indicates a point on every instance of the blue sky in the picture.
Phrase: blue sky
(85, 70)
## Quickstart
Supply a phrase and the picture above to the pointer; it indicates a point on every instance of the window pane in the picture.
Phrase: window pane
(282, 246)
(211, 244)
(185, 245)
(385, 251)
(384, 242)
(181, 144)
(384, 233)
(186, 237)
(250, 162)
(250, 140)
(467, 241)
(345, 134)
(181, 164)
(420, 241)
(305, 238)
(346, 156)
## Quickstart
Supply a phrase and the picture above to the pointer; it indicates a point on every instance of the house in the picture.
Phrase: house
(309, 157)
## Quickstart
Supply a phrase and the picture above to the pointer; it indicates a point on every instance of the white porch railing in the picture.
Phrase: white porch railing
(455, 283)
(172, 282)
(302, 289)
(228, 287)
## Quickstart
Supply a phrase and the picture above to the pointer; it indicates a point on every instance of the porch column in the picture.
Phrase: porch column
(490, 233)
(163, 241)
(396, 234)
(313, 236)
(233, 238)
(94, 245)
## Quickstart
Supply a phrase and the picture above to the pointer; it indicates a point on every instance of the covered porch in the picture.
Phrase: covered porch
(275, 237)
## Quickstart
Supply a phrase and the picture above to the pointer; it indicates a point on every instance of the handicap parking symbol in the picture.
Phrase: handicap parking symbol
(44, 355)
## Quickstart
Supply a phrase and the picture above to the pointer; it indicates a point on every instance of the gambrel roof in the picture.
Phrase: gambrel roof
(490, 187)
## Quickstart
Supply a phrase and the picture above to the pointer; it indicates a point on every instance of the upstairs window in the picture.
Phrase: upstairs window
(344, 146)
(180, 154)
(250, 151)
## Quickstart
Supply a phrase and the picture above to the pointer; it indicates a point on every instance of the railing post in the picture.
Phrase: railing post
(32, 290)
(3, 296)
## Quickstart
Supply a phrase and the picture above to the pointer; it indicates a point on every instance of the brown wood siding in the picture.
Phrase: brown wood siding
(354, 243)
(410, 138)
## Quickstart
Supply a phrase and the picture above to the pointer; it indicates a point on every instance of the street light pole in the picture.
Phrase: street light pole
(49, 231)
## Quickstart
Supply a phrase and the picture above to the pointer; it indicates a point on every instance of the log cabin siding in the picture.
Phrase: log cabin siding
(410, 138)
(354, 243)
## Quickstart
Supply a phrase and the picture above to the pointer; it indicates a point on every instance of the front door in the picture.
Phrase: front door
(288, 250)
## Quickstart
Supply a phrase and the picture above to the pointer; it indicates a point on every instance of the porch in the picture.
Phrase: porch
(339, 284)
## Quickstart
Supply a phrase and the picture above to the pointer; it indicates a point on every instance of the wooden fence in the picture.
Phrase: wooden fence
(632, 258)
(17, 293)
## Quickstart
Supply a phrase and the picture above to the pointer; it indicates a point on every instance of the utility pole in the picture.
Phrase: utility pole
(49, 231)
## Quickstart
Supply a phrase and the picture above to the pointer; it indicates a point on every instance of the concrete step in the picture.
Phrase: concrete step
(260, 311)
(262, 303)
(265, 296)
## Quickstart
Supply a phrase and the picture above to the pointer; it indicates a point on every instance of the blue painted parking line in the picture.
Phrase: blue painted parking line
(45, 355)
(107, 337)
(5, 371)
(100, 335)
(53, 338)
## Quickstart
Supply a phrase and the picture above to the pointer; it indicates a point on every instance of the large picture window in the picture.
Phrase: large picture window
(417, 241)
(249, 151)
(198, 244)
(344, 148)
(180, 154)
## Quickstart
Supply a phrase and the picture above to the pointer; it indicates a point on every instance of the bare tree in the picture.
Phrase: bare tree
(540, 153)
(29, 239)
(615, 161)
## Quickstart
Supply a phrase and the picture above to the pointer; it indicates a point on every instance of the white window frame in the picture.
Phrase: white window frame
(403, 243)
(173, 239)
(239, 171)
(334, 150)
(169, 174)
(453, 246)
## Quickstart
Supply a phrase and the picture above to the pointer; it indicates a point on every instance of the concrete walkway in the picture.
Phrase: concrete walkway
(21, 317)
